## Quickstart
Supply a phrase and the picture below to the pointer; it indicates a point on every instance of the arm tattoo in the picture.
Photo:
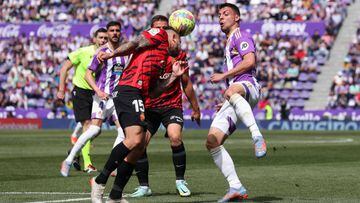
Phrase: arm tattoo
(128, 48)
(142, 42)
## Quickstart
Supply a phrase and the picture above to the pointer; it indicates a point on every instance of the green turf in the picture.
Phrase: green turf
(300, 167)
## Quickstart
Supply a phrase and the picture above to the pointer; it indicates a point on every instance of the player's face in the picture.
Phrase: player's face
(227, 19)
(160, 24)
(101, 39)
(174, 43)
(114, 33)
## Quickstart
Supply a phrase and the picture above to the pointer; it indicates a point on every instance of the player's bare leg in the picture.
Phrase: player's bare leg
(237, 95)
(224, 162)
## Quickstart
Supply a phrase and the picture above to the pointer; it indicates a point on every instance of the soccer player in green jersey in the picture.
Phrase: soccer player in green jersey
(82, 92)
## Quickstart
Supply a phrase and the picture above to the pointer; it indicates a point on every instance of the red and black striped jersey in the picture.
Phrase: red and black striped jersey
(146, 65)
(172, 97)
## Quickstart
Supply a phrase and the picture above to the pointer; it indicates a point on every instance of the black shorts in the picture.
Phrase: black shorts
(82, 102)
(129, 106)
(154, 117)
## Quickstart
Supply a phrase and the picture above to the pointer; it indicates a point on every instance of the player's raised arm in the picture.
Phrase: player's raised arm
(126, 48)
(63, 74)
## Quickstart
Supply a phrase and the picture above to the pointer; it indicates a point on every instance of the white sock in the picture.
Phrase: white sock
(87, 135)
(78, 130)
(120, 137)
(225, 163)
(244, 112)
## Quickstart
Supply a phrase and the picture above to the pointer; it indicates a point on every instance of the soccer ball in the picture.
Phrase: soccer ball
(183, 21)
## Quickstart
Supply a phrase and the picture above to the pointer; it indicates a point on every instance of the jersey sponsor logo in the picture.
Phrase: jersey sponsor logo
(154, 31)
(117, 68)
(165, 76)
(244, 46)
(140, 82)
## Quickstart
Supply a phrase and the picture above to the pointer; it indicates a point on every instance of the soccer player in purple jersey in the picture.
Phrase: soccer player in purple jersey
(107, 75)
(241, 95)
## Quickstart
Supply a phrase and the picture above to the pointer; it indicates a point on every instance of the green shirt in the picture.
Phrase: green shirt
(81, 59)
(269, 112)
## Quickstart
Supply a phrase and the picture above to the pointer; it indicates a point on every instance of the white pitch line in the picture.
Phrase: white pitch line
(63, 200)
(44, 193)
(314, 141)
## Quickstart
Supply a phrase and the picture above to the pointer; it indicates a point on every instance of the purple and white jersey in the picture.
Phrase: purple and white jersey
(108, 73)
(237, 46)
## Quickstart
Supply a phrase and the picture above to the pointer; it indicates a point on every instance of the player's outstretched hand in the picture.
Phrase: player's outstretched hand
(217, 77)
(196, 116)
(102, 56)
(179, 68)
(102, 95)
(60, 95)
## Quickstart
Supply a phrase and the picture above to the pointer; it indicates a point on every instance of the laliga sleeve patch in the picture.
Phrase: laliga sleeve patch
(244, 46)
(154, 31)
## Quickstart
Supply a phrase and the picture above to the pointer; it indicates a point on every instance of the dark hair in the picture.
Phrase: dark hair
(232, 6)
(158, 18)
(113, 23)
(99, 30)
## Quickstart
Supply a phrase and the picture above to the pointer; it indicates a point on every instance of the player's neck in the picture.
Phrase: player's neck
(231, 30)
(113, 45)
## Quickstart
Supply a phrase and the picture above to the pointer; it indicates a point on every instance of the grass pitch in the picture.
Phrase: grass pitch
(299, 167)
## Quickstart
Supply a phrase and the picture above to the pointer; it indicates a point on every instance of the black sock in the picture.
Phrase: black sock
(124, 172)
(142, 170)
(179, 160)
(118, 153)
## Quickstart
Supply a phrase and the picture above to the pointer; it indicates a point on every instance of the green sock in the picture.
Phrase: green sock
(86, 153)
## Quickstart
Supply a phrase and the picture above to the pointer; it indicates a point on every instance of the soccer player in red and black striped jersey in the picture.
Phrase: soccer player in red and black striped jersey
(167, 109)
(140, 79)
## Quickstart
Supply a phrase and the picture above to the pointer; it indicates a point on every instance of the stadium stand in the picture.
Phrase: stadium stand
(345, 89)
(288, 66)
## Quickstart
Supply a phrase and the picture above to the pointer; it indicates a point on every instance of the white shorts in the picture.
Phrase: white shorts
(226, 119)
(103, 109)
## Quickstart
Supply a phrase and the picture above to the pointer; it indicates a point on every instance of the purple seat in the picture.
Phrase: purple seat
(308, 86)
(305, 94)
(298, 86)
(303, 77)
(312, 77)
(285, 94)
(292, 102)
(295, 94)
(300, 103)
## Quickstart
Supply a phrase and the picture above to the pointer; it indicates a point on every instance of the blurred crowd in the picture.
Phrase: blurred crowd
(29, 66)
(345, 89)
(135, 12)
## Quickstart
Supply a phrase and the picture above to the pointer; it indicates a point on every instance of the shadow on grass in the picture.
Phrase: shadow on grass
(264, 199)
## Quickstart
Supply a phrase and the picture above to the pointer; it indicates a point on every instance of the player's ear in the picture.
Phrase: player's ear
(237, 18)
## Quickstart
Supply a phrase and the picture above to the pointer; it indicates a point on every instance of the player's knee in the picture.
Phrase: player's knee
(86, 124)
(229, 93)
(175, 140)
(211, 142)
